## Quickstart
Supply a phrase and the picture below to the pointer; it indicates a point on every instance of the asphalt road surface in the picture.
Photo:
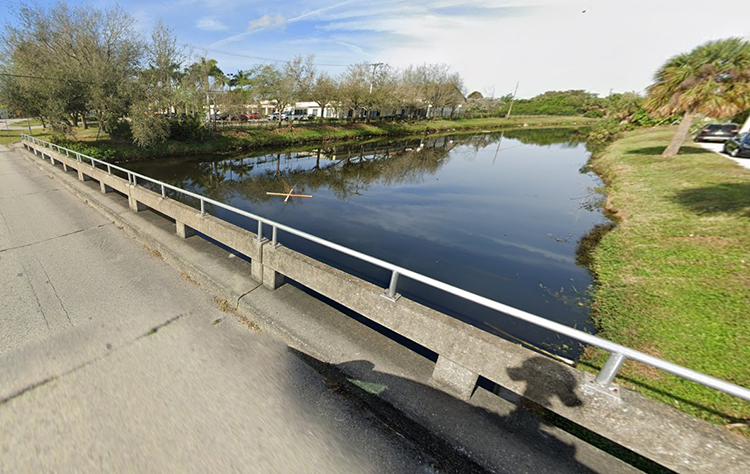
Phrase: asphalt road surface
(111, 361)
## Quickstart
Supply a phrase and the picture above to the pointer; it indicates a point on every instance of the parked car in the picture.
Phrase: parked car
(286, 116)
(717, 132)
(302, 116)
(738, 146)
(252, 116)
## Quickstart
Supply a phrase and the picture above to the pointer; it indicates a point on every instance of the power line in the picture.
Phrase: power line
(259, 58)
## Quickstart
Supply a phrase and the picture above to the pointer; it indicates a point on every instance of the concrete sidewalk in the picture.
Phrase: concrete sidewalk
(111, 361)
(718, 147)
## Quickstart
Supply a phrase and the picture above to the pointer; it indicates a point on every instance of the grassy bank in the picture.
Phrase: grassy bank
(232, 141)
(674, 276)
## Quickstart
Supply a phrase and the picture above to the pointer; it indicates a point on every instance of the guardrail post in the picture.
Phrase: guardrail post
(609, 371)
(163, 193)
(260, 230)
(391, 293)
(274, 240)
(203, 208)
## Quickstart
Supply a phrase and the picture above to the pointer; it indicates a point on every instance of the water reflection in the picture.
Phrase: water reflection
(499, 214)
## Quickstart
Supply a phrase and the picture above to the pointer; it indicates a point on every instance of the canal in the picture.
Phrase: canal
(498, 214)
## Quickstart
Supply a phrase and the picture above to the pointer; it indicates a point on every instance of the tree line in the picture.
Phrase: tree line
(66, 64)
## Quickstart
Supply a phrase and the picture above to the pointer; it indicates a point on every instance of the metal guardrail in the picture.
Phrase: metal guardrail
(618, 353)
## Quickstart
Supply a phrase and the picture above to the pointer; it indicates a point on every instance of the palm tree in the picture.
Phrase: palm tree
(713, 79)
(205, 69)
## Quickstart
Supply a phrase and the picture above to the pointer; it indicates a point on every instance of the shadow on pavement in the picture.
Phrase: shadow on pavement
(519, 437)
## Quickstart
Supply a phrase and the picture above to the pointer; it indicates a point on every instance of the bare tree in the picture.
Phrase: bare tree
(354, 87)
(284, 86)
(325, 91)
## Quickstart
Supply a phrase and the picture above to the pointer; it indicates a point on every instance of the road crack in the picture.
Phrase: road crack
(54, 238)
(110, 351)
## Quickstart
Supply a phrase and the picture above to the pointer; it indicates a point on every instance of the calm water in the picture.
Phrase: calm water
(497, 214)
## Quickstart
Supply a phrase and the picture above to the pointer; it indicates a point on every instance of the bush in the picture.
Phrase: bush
(597, 113)
(103, 153)
(188, 128)
(604, 132)
(148, 129)
(121, 129)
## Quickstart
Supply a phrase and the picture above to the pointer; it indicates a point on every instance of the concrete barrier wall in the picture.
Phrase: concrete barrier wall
(465, 352)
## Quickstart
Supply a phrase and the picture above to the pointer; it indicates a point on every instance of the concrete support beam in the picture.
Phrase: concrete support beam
(272, 279)
(454, 378)
(105, 189)
(83, 177)
(256, 262)
(184, 231)
(134, 204)
(65, 167)
(52, 160)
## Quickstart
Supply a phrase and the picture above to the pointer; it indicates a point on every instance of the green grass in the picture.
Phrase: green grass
(233, 141)
(673, 278)
(11, 136)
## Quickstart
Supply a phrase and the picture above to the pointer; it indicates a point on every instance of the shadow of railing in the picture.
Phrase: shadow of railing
(522, 435)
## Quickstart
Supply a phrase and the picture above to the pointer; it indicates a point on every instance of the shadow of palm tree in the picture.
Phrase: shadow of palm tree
(724, 198)
(657, 150)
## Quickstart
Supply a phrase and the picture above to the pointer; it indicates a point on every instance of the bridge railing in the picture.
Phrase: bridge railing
(618, 352)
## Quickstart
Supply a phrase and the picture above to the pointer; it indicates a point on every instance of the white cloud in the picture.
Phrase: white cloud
(544, 44)
(613, 45)
(266, 22)
(210, 24)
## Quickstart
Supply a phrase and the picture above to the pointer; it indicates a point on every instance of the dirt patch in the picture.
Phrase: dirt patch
(189, 279)
(153, 252)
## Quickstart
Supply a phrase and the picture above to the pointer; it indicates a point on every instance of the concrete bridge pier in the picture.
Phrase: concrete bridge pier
(104, 188)
(183, 231)
(454, 378)
(270, 278)
(82, 177)
(132, 201)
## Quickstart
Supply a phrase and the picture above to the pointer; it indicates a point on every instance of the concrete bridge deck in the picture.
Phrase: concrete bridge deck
(110, 361)
(496, 433)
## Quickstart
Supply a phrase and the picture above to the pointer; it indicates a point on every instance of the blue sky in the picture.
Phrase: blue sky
(598, 45)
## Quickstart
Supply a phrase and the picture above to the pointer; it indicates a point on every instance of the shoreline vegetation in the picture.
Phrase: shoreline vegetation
(250, 139)
(671, 278)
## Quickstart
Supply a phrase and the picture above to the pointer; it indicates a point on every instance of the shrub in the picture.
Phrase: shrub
(188, 128)
(148, 129)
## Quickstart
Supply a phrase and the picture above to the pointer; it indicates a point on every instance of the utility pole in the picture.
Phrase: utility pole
(372, 79)
(512, 100)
